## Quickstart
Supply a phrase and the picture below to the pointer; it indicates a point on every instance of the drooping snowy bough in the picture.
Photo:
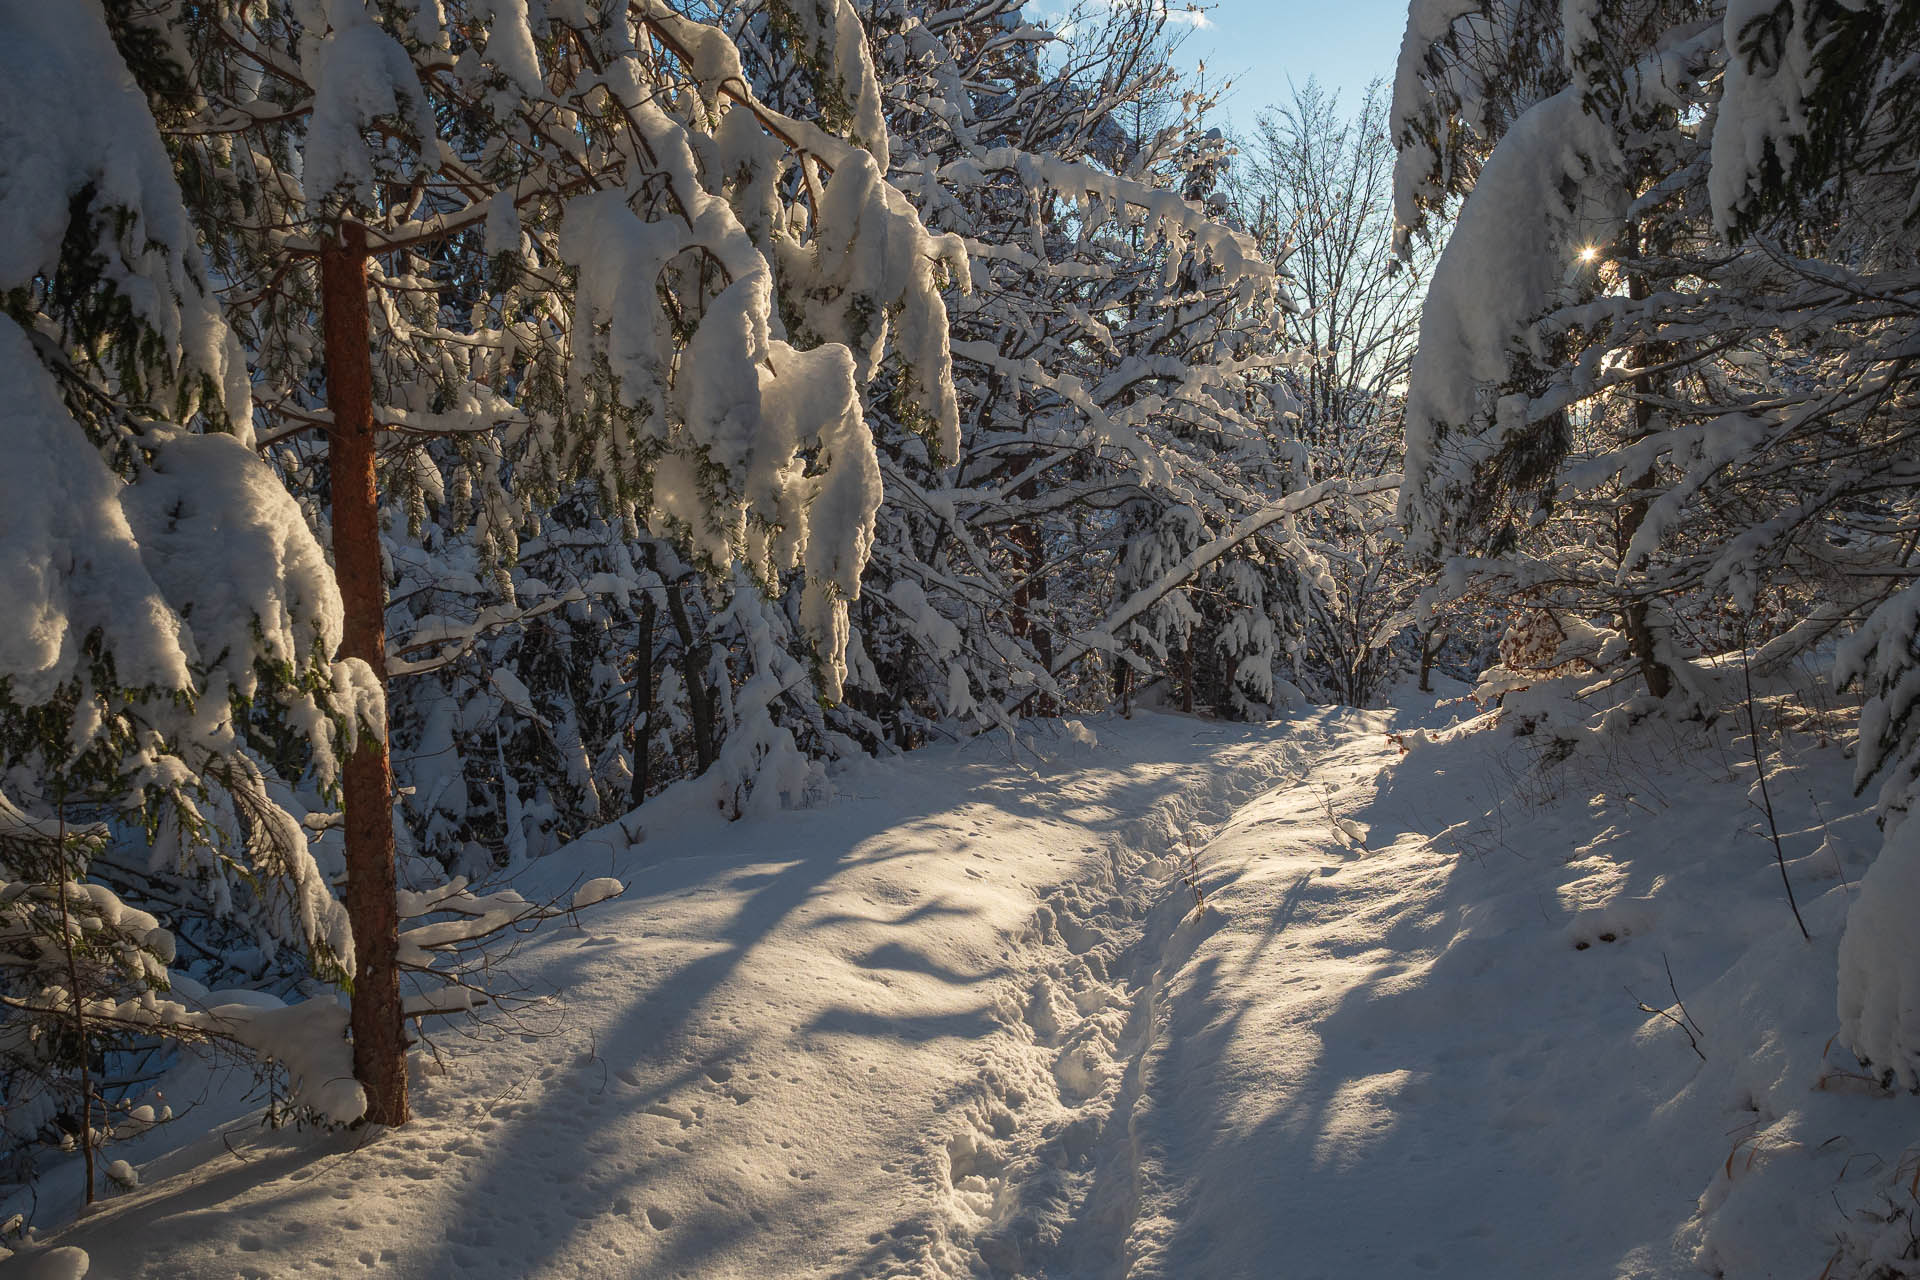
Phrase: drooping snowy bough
(531, 239)
(592, 238)
(1879, 961)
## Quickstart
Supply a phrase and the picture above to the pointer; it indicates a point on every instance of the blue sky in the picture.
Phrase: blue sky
(1263, 44)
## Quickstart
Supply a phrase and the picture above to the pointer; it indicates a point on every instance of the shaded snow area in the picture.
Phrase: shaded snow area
(966, 1020)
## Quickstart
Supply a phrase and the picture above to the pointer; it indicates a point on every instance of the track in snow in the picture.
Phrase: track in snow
(1038, 1172)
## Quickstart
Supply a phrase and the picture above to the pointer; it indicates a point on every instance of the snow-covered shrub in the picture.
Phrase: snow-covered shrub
(1884, 657)
(1879, 997)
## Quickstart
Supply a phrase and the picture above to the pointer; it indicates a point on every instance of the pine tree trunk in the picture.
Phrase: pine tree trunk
(379, 1031)
(643, 703)
(1641, 641)
(693, 669)
(1430, 642)
(1031, 587)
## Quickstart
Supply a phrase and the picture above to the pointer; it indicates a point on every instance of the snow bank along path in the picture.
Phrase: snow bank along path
(966, 1021)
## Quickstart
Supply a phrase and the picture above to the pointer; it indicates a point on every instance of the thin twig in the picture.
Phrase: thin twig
(1766, 799)
(1693, 1041)
(1192, 874)
(1678, 1002)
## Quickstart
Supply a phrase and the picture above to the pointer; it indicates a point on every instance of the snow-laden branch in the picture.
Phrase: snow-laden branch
(1103, 639)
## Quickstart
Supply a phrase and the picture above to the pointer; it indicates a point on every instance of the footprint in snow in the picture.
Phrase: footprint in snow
(1616, 920)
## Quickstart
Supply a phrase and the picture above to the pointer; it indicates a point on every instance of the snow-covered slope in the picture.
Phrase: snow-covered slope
(967, 1020)
(1412, 1042)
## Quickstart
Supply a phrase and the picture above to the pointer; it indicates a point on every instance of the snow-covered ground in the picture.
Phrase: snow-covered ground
(967, 1020)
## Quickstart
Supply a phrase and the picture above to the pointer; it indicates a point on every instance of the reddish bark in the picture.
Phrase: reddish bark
(379, 1031)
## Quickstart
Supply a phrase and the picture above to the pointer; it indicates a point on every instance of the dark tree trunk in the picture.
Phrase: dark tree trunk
(379, 1031)
(1431, 641)
(1186, 675)
(693, 668)
(1641, 641)
(643, 703)
(1032, 587)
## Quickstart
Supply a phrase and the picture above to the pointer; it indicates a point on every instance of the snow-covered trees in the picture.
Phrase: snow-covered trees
(1665, 387)
(554, 254)
(1317, 187)
(546, 255)
(1632, 398)
(1110, 366)
(1316, 183)
(678, 395)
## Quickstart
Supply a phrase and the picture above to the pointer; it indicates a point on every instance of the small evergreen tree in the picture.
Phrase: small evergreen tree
(168, 666)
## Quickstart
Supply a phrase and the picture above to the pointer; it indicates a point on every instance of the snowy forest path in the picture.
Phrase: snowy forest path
(890, 1036)
(1409, 1038)
(1038, 1172)
(966, 1020)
